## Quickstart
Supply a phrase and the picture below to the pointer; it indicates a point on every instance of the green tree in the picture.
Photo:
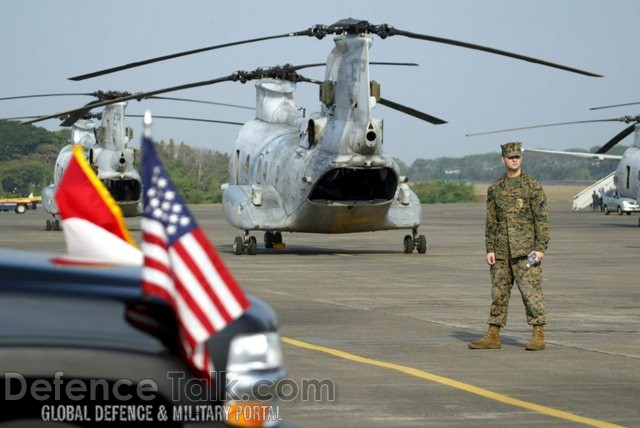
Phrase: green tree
(446, 192)
(19, 178)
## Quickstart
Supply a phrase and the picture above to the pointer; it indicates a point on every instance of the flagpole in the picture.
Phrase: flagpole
(147, 124)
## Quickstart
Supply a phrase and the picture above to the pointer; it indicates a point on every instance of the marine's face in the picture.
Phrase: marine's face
(512, 163)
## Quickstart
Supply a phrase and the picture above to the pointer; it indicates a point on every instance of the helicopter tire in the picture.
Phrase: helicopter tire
(238, 246)
(422, 244)
(56, 224)
(268, 239)
(408, 244)
(48, 225)
(252, 246)
(277, 238)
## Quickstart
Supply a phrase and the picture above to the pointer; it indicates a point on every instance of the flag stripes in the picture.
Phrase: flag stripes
(182, 267)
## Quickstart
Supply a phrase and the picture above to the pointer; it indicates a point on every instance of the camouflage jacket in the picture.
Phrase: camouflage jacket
(517, 217)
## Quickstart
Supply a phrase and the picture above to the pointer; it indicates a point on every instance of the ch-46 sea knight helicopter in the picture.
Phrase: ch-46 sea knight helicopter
(627, 174)
(106, 148)
(325, 173)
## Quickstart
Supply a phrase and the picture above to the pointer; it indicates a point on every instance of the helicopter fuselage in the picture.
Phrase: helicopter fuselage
(627, 177)
(105, 148)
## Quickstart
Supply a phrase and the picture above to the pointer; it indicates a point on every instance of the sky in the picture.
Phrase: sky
(43, 42)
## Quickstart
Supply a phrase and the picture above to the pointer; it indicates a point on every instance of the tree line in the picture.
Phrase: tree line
(28, 154)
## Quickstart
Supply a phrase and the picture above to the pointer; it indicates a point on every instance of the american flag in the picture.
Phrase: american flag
(182, 267)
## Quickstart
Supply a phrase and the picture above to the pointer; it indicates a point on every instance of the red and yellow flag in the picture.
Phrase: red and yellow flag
(92, 221)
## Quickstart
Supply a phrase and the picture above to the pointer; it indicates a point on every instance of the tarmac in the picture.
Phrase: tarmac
(374, 337)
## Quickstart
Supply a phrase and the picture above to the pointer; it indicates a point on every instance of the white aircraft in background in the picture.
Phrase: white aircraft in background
(627, 174)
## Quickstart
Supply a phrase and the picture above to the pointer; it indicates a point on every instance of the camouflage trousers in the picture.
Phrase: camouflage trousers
(529, 280)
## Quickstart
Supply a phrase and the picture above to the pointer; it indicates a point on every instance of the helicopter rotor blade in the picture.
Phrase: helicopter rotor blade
(615, 140)
(322, 64)
(615, 105)
(344, 26)
(201, 101)
(137, 96)
(411, 112)
(18, 117)
(180, 54)
(394, 31)
(44, 95)
(193, 119)
(285, 72)
(545, 126)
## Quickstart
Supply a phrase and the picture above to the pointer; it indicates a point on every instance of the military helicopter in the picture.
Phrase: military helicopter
(326, 172)
(106, 148)
(627, 174)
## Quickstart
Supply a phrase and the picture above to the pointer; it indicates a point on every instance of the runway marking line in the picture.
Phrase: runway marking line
(550, 411)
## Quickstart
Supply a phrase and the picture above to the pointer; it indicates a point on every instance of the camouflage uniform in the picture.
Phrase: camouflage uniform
(517, 223)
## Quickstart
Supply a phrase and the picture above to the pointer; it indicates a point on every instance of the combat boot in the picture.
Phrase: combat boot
(490, 341)
(537, 339)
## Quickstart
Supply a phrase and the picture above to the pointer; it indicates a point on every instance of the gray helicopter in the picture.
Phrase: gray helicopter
(105, 146)
(326, 172)
(627, 174)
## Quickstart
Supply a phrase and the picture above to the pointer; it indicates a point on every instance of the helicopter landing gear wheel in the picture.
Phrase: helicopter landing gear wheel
(52, 224)
(238, 246)
(268, 239)
(408, 244)
(416, 241)
(245, 242)
(252, 246)
(272, 239)
(422, 244)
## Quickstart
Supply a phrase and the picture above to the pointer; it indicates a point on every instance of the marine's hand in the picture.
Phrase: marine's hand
(491, 259)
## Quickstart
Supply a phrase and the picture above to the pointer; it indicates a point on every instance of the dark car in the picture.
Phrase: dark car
(81, 346)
